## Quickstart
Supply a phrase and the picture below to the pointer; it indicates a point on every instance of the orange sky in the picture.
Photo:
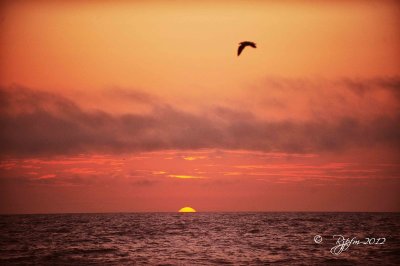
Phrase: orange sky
(124, 92)
(168, 48)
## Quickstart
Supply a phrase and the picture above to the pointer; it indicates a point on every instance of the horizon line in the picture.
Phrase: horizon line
(170, 212)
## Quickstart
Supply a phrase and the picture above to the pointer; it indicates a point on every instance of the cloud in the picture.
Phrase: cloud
(135, 96)
(193, 158)
(39, 123)
(47, 176)
(185, 176)
(362, 87)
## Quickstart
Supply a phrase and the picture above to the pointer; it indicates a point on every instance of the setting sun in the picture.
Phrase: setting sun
(187, 209)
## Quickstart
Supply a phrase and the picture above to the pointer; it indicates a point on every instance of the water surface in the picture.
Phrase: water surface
(197, 239)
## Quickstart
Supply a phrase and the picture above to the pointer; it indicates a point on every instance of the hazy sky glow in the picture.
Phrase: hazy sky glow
(144, 106)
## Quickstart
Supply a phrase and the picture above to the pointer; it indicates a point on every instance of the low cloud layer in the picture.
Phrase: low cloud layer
(39, 123)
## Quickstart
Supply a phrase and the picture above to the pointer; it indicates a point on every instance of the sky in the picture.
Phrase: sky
(144, 106)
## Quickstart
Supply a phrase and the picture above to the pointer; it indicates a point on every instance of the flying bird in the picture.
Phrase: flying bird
(242, 45)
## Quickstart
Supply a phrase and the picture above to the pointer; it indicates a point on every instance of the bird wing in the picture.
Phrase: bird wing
(240, 49)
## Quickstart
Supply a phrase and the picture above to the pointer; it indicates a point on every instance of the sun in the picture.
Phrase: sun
(187, 209)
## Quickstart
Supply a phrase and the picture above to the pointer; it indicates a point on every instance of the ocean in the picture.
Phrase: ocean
(292, 238)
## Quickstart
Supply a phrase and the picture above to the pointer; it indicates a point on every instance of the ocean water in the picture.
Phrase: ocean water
(200, 239)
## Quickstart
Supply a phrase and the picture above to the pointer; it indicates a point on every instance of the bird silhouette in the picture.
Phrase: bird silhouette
(242, 45)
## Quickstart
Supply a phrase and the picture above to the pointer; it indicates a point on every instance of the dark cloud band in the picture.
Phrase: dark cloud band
(37, 122)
